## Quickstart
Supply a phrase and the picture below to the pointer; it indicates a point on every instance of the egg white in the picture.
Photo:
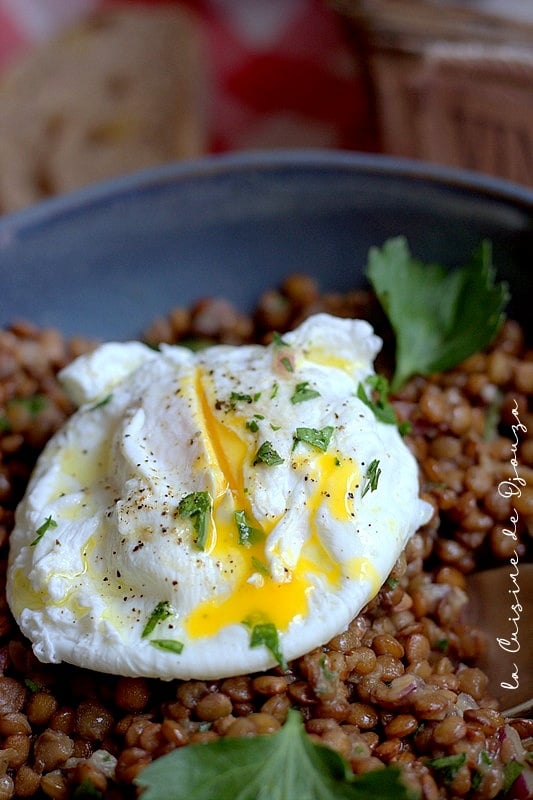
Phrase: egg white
(155, 427)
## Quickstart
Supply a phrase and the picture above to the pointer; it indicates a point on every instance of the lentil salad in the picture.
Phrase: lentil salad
(400, 686)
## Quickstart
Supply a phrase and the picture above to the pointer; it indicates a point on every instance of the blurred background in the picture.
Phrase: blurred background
(90, 89)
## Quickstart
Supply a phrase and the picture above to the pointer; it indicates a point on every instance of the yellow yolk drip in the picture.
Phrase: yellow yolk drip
(255, 594)
(226, 454)
(278, 603)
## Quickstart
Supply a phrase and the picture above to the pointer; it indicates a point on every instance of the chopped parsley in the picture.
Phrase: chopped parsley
(511, 772)
(260, 567)
(32, 685)
(302, 392)
(197, 507)
(278, 341)
(42, 529)
(287, 363)
(103, 402)
(34, 404)
(162, 611)
(267, 455)
(248, 535)
(87, 791)
(252, 424)
(372, 477)
(265, 634)
(379, 402)
(237, 397)
(170, 645)
(319, 438)
(447, 766)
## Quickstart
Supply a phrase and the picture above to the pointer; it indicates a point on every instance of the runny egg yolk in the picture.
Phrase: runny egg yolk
(257, 595)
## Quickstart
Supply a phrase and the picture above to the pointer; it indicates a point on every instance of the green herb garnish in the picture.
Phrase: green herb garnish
(267, 455)
(493, 416)
(252, 424)
(259, 566)
(32, 685)
(372, 477)
(447, 766)
(286, 765)
(278, 341)
(237, 397)
(170, 645)
(103, 402)
(511, 771)
(87, 791)
(378, 401)
(42, 529)
(302, 392)
(265, 634)
(162, 611)
(197, 506)
(34, 404)
(442, 645)
(439, 316)
(248, 535)
(319, 438)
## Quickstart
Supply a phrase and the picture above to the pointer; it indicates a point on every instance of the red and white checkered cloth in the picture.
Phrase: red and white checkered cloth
(284, 73)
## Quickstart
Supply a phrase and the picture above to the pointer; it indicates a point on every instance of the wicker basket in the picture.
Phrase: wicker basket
(451, 84)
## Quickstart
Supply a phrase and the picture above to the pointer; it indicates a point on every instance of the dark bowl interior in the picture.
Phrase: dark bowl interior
(106, 260)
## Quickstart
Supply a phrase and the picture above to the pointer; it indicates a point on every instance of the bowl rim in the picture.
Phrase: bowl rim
(383, 165)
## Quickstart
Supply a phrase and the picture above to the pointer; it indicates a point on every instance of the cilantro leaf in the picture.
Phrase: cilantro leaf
(282, 766)
(439, 316)
(197, 506)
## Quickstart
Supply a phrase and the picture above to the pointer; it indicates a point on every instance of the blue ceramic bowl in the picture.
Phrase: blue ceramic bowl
(106, 260)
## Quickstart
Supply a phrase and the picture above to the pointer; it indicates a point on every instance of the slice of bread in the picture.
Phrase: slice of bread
(123, 90)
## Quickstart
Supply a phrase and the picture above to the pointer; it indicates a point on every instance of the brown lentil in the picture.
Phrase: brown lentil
(367, 691)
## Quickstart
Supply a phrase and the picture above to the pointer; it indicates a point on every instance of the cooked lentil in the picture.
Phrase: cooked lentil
(400, 686)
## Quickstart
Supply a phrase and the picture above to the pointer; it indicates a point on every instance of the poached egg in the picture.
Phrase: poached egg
(206, 514)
